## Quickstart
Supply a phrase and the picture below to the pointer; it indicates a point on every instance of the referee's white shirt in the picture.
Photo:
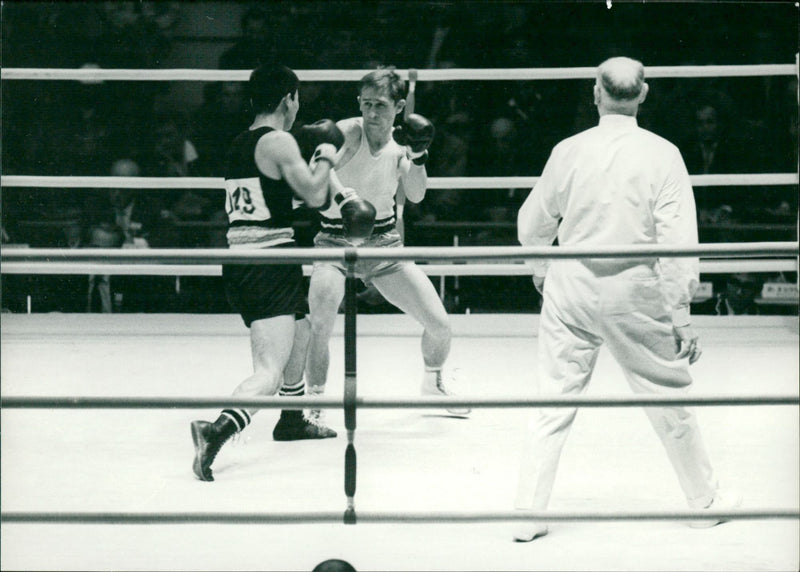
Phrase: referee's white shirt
(616, 184)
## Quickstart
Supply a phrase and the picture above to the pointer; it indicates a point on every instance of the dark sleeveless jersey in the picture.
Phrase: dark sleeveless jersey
(259, 208)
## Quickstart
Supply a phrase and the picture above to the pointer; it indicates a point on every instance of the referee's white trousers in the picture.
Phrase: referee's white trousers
(626, 313)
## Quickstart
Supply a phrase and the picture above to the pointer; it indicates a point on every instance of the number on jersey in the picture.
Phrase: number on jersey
(240, 200)
(244, 200)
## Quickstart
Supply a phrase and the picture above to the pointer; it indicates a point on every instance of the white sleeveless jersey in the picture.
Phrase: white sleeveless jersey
(374, 177)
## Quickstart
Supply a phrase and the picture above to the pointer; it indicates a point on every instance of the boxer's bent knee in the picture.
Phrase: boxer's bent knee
(438, 326)
(266, 380)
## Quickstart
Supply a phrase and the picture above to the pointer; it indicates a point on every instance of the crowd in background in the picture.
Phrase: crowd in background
(484, 128)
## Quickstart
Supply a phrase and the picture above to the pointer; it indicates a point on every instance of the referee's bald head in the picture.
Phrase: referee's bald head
(620, 86)
(622, 78)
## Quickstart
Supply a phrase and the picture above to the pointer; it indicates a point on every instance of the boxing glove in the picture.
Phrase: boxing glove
(311, 139)
(416, 132)
(358, 215)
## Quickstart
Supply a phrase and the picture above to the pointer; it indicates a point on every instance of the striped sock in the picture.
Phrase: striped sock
(240, 418)
(296, 390)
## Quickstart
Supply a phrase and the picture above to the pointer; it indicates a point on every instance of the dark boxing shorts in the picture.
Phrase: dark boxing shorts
(259, 291)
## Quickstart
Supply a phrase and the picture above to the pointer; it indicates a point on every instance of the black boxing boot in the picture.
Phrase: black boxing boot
(208, 439)
(294, 426)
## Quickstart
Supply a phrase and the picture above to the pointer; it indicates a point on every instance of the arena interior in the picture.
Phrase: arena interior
(116, 335)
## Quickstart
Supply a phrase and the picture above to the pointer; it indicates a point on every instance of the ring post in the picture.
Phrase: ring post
(350, 312)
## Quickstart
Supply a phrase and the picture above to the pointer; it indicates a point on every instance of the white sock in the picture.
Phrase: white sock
(431, 374)
(315, 389)
(315, 415)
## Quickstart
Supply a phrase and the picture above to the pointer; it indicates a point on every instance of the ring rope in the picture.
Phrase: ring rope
(458, 183)
(352, 402)
(453, 74)
(516, 269)
(392, 517)
(441, 253)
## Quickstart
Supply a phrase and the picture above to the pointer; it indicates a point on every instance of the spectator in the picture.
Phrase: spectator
(136, 214)
(450, 155)
(78, 145)
(193, 217)
(452, 145)
(14, 288)
(172, 154)
(503, 155)
(99, 297)
(68, 292)
(507, 34)
(714, 146)
(47, 293)
(256, 45)
(72, 230)
(450, 46)
(778, 204)
(451, 106)
(540, 110)
(223, 114)
(785, 124)
(86, 152)
(736, 296)
(718, 145)
(126, 218)
(452, 37)
(135, 35)
(32, 143)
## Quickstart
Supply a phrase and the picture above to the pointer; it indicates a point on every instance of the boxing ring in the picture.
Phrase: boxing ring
(96, 410)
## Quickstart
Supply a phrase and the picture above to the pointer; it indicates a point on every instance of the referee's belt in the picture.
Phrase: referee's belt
(335, 226)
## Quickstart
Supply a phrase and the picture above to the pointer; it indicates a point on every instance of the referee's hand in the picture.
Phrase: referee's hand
(687, 343)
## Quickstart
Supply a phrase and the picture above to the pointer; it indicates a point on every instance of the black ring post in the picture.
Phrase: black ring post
(350, 312)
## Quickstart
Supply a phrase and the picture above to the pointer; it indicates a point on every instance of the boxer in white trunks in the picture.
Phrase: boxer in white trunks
(377, 160)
